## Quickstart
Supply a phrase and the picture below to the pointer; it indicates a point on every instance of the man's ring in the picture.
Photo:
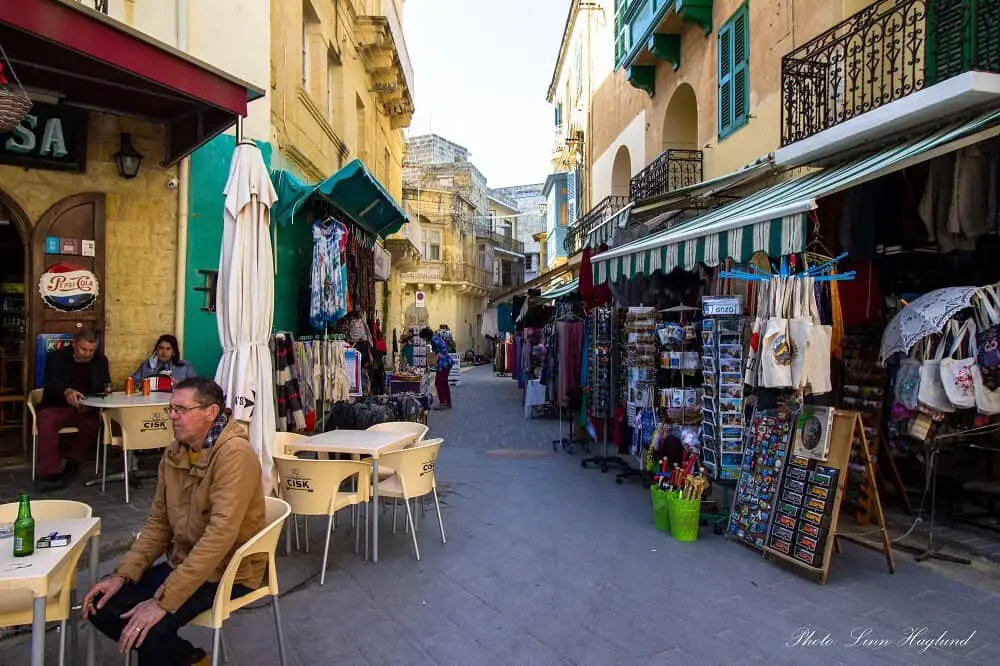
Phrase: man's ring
(138, 629)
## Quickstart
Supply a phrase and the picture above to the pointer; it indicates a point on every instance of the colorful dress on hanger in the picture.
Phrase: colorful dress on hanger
(328, 300)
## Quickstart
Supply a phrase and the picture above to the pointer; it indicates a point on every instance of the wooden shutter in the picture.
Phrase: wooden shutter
(741, 67)
(725, 80)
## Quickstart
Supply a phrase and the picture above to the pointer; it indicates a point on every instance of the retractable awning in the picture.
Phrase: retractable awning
(87, 60)
(352, 190)
(773, 220)
(604, 233)
(561, 290)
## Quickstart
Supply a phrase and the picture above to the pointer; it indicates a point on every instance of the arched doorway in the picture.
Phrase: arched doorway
(680, 121)
(15, 230)
(621, 173)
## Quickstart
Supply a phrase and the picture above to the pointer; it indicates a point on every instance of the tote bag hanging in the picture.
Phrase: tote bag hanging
(799, 328)
(908, 379)
(987, 401)
(956, 373)
(752, 374)
(931, 393)
(818, 350)
(776, 348)
(988, 337)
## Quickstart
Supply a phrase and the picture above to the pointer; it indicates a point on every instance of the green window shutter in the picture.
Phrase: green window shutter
(734, 73)
(725, 80)
(741, 67)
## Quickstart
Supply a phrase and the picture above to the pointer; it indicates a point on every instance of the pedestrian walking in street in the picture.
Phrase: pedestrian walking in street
(443, 368)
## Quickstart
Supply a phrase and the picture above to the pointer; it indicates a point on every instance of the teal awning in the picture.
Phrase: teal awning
(561, 290)
(773, 220)
(353, 190)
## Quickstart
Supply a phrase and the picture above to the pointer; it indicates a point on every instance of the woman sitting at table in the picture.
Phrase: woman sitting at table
(166, 360)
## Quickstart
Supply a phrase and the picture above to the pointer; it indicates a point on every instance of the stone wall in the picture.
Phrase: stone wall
(141, 224)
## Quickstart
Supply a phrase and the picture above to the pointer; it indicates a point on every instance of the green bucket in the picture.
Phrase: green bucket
(661, 508)
(684, 518)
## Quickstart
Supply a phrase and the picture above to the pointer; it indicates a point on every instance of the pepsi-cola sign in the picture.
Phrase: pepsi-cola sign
(68, 288)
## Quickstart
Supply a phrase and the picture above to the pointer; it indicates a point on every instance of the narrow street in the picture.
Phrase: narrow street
(547, 563)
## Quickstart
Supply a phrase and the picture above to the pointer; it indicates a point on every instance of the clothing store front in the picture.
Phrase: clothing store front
(88, 218)
(332, 366)
(747, 348)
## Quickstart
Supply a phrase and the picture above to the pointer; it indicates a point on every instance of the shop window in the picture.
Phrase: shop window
(210, 280)
(431, 244)
(734, 73)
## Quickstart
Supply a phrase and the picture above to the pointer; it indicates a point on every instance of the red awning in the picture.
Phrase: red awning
(97, 63)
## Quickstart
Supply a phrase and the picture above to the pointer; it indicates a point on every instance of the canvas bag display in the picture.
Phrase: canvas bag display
(799, 329)
(908, 379)
(987, 401)
(988, 337)
(818, 353)
(931, 393)
(775, 348)
(956, 373)
(752, 373)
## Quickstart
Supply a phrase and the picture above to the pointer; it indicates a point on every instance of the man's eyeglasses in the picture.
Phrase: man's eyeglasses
(182, 410)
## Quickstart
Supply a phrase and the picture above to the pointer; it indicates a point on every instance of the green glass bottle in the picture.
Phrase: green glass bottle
(24, 529)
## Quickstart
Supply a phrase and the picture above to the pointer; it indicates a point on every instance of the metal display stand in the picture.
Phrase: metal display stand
(602, 381)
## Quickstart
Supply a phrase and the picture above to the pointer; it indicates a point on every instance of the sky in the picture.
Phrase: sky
(482, 69)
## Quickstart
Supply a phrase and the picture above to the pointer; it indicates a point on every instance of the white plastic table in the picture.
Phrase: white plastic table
(372, 443)
(122, 401)
(33, 573)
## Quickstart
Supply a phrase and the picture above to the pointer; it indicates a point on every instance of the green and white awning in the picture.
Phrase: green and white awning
(606, 231)
(773, 220)
(561, 290)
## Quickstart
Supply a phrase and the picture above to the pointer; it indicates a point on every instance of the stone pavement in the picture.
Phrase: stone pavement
(547, 563)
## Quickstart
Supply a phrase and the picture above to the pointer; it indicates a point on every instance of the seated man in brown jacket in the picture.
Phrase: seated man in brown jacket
(209, 501)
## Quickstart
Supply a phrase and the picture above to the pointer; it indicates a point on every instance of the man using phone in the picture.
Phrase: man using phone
(209, 501)
(71, 373)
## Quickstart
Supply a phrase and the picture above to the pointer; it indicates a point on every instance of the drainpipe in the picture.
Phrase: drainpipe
(183, 192)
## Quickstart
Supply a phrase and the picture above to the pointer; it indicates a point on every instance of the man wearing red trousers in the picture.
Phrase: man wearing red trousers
(71, 373)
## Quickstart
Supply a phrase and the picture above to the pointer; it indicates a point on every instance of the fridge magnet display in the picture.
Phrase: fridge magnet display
(767, 441)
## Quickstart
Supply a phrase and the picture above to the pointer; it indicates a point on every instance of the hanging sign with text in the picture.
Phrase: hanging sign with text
(51, 137)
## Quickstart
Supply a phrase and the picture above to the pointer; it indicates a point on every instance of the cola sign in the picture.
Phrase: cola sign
(68, 288)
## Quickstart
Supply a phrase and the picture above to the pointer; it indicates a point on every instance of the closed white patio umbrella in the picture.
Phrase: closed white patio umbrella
(245, 301)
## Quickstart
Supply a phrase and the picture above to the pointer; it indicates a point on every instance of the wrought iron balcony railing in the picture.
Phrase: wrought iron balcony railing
(886, 51)
(577, 236)
(672, 169)
(504, 241)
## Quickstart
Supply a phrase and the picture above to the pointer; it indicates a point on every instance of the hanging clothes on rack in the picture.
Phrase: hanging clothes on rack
(328, 297)
(291, 416)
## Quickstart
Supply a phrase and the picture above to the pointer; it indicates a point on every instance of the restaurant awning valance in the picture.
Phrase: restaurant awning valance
(773, 220)
(561, 290)
(87, 60)
(352, 190)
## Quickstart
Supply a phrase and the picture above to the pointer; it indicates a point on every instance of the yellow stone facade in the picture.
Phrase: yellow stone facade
(141, 232)
(334, 95)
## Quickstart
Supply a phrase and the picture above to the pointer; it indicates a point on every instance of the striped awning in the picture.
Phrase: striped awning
(605, 232)
(561, 290)
(773, 220)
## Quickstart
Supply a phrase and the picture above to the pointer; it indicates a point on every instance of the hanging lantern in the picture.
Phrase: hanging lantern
(14, 101)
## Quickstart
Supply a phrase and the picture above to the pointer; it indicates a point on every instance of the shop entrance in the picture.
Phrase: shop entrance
(13, 323)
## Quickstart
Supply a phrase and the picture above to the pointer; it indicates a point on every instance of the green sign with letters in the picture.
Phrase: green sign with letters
(51, 137)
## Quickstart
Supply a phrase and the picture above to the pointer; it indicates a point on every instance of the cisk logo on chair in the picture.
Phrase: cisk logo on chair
(156, 422)
(295, 481)
(428, 468)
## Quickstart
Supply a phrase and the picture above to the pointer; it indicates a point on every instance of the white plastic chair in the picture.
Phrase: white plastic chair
(417, 430)
(312, 488)
(282, 440)
(142, 428)
(35, 399)
(414, 478)
(265, 541)
(16, 607)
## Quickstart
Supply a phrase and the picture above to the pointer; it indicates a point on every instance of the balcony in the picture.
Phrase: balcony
(671, 170)
(379, 31)
(893, 66)
(576, 239)
(503, 241)
(472, 277)
(649, 31)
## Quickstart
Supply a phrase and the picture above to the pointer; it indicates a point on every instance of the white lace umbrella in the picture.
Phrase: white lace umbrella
(923, 316)
(245, 301)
